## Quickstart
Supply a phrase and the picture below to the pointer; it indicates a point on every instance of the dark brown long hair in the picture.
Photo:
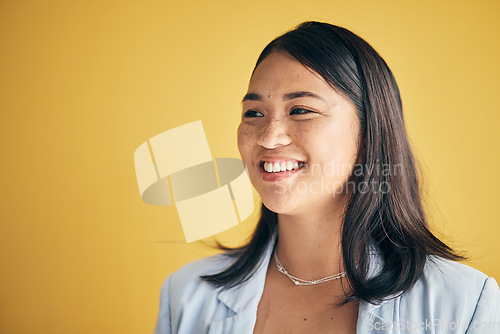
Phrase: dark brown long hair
(389, 219)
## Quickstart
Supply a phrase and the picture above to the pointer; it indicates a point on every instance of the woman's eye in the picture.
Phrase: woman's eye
(252, 113)
(300, 111)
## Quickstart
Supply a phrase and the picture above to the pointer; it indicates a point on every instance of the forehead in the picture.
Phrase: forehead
(280, 73)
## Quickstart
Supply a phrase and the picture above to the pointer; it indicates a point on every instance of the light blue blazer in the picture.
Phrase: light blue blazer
(449, 297)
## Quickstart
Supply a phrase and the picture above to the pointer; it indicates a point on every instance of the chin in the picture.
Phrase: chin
(279, 206)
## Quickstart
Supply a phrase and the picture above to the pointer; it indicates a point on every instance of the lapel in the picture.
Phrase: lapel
(244, 299)
(379, 318)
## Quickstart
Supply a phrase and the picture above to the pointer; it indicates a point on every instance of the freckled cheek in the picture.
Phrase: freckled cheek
(303, 136)
(244, 140)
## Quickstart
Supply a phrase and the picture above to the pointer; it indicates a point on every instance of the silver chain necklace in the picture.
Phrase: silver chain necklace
(299, 281)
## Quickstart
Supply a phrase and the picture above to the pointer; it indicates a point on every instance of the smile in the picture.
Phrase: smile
(278, 170)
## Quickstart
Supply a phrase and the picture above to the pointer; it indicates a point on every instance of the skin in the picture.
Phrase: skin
(323, 132)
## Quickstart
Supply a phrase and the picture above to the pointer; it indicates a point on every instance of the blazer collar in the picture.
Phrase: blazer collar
(243, 301)
(247, 295)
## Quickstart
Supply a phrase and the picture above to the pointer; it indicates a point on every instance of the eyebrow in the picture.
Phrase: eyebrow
(288, 96)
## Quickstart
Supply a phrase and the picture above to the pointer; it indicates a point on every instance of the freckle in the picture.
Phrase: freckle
(331, 318)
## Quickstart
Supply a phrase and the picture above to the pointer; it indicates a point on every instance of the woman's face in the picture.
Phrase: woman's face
(291, 118)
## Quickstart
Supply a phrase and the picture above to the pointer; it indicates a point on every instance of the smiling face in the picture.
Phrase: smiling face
(299, 129)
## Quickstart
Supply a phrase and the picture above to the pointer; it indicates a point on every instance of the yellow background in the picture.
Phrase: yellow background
(84, 83)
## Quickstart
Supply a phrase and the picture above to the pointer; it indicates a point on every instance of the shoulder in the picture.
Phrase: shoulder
(187, 303)
(442, 278)
(451, 276)
(187, 281)
(449, 293)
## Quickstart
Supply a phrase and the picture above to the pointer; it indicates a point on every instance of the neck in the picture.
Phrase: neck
(309, 244)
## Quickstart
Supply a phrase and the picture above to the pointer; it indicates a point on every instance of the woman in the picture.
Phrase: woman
(342, 244)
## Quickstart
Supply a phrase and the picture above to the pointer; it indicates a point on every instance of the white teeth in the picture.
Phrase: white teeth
(281, 166)
(268, 167)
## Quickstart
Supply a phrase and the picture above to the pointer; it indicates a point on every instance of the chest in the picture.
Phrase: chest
(308, 310)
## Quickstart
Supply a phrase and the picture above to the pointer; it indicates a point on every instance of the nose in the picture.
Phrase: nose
(274, 134)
